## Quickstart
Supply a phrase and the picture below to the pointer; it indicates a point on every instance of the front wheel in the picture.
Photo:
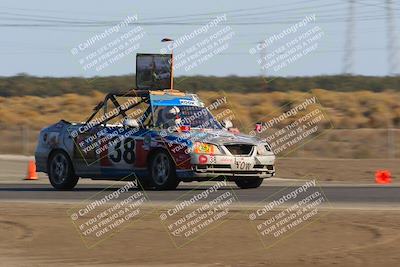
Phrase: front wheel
(246, 183)
(162, 171)
(60, 171)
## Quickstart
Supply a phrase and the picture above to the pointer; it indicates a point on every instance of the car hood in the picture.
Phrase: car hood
(218, 137)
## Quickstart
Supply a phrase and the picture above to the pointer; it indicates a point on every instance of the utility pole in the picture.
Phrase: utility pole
(391, 42)
(263, 62)
(348, 60)
(393, 67)
(262, 58)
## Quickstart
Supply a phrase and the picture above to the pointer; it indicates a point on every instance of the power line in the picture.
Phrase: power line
(197, 23)
(233, 11)
(236, 19)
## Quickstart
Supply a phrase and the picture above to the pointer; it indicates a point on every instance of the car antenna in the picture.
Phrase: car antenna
(172, 61)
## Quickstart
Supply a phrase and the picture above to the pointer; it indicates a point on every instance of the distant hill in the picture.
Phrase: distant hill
(24, 84)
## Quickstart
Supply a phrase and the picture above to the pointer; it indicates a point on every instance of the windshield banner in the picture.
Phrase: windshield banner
(165, 100)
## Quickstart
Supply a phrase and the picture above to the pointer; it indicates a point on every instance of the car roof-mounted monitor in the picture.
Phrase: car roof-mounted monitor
(153, 71)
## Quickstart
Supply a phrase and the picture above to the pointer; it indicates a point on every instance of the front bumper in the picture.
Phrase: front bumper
(223, 167)
(188, 176)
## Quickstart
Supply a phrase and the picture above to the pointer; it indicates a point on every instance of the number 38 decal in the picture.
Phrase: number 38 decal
(124, 150)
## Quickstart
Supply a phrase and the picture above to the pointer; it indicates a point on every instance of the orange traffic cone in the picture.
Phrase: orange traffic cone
(383, 177)
(31, 174)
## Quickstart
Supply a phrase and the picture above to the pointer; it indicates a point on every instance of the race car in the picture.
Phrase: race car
(159, 138)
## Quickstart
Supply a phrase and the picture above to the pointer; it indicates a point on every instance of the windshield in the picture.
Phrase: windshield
(193, 116)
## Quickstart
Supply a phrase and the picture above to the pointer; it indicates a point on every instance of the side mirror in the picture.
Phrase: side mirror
(130, 123)
(227, 124)
(258, 127)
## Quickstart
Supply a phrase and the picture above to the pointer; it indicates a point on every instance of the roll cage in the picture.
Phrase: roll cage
(144, 96)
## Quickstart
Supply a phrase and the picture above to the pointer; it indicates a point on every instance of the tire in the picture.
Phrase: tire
(162, 172)
(246, 183)
(61, 172)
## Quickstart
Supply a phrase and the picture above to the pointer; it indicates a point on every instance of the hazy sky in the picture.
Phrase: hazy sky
(37, 36)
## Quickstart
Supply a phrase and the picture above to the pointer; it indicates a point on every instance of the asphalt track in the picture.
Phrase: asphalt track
(343, 194)
(13, 188)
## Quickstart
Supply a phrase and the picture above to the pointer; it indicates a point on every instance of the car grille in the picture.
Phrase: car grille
(215, 166)
(259, 166)
(240, 149)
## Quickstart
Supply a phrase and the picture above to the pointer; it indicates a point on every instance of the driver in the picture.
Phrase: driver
(168, 116)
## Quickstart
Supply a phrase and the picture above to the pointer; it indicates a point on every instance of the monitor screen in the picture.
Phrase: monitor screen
(153, 71)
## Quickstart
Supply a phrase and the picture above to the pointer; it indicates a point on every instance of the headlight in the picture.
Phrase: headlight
(263, 149)
(205, 148)
(268, 147)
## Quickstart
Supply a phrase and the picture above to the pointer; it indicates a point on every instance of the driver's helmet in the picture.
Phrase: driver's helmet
(169, 116)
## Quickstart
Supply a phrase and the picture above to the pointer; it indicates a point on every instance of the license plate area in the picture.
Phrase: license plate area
(243, 164)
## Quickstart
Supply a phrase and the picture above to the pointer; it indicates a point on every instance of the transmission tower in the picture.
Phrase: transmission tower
(349, 44)
(391, 42)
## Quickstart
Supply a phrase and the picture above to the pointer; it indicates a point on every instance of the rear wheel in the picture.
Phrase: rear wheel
(246, 183)
(162, 171)
(60, 171)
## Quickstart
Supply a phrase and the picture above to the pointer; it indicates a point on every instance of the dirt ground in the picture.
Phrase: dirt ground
(341, 170)
(43, 235)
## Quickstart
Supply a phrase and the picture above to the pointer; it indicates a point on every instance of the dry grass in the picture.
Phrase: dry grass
(22, 117)
(362, 109)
